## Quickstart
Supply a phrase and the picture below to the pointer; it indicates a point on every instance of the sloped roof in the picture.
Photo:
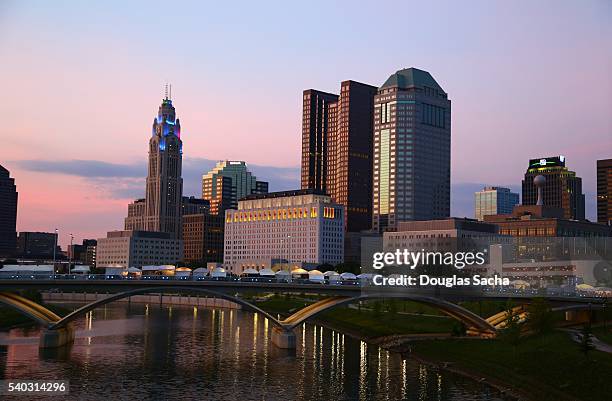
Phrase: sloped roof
(411, 77)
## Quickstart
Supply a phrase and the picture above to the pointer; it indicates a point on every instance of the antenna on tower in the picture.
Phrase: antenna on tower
(166, 91)
(170, 92)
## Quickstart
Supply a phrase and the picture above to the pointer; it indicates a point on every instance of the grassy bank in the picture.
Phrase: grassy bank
(546, 367)
(10, 317)
(604, 333)
(373, 319)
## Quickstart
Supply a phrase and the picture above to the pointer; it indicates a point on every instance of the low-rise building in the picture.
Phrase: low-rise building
(302, 226)
(137, 249)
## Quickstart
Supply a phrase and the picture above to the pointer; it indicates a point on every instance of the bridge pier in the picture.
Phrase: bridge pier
(54, 338)
(282, 338)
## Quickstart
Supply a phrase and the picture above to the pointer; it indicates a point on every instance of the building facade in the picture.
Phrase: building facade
(412, 137)
(303, 226)
(447, 234)
(494, 200)
(8, 214)
(138, 248)
(337, 148)
(84, 253)
(315, 132)
(160, 210)
(228, 182)
(604, 191)
(202, 238)
(36, 245)
(562, 189)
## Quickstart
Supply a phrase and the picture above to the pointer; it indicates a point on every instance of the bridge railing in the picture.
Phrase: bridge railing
(508, 292)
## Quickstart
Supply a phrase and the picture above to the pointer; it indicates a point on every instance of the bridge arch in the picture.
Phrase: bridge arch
(29, 308)
(455, 311)
(115, 297)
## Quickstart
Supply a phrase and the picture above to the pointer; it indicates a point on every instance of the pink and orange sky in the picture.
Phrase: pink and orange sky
(82, 83)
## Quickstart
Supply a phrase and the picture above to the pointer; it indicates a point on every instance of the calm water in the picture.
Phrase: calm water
(157, 352)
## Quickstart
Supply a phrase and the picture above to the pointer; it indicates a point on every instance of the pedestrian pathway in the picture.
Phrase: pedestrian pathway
(599, 345)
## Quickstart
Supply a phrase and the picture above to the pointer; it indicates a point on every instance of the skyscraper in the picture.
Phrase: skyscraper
(562, 188)
(494, 200)
(604, 191)
(337, 148)
(412, 137)
(8, 214)
(227, 182)
(315, 131)
(161, 208)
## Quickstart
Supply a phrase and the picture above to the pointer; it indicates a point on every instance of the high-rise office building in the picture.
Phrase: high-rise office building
(8, 214)
(604, 191)
(228, 182)
(337, 148)
(412, 137)
(160, 210)
(562, 188)
(494, 200)
(315, 132)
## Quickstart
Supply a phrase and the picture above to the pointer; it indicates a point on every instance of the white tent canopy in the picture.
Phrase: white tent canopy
(200, 271)
(183, 271)
(158, 268)
(348, 276)
(218, 272)
(282, 273)
(80, 269)
(316, 275)
(134, 270)
(331, 273)
(299, 272)
(266, 272)
(250, 270)
(27, 269)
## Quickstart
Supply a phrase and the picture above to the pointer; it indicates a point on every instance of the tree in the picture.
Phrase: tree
(540, 317)
(586, 340)
(348, 267)
(459, 329)
(511, 333)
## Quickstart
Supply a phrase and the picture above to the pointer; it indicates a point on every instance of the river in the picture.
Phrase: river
(153, 352)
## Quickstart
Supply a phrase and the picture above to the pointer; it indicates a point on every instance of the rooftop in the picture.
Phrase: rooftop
(409, 77)
(284, 194)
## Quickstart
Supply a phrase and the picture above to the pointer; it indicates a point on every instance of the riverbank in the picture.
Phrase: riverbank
(549, 367)
(10, 318)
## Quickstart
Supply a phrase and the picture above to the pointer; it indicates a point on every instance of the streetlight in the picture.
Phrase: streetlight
(54, 249)
(70, 251)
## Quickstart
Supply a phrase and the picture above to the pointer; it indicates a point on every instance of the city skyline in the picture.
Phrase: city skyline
(87, 173)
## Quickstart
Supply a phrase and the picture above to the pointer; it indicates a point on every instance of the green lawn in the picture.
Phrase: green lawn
(542, 366)
(10, 317)
(370, 321)
(604, 334)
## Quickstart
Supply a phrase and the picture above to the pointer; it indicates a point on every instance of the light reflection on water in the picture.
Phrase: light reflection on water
(152, 352)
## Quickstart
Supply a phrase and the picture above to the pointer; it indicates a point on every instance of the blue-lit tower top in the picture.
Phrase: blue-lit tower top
(164, 181)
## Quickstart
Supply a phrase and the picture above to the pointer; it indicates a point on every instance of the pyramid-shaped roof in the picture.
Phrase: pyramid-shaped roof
(411, 77)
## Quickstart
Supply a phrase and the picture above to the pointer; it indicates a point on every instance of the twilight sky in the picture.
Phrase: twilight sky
(82, 81)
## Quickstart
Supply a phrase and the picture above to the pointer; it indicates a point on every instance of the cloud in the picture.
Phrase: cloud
(127, 181)
(83, 168)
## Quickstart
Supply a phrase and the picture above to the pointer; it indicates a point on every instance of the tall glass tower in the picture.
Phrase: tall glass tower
(412, 138)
